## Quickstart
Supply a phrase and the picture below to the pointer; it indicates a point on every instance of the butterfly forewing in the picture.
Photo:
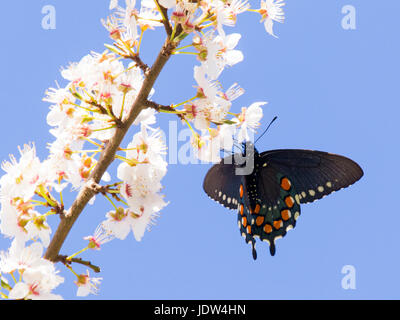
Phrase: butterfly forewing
(222, 184)
(314, 174)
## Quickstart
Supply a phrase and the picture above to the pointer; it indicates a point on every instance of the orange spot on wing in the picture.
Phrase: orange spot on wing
(259, 221)
(244, 222)
(267, 228)
(249, 229)
(285, 184)
(289, 201)
(241, 191)
(278, 224)
(241, 209)
(286, 214)
(257, 208)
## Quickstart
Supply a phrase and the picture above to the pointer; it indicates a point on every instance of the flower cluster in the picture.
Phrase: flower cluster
(89, 111)
(141, 175)
(205, 20)
(39, 277)
(99, 95)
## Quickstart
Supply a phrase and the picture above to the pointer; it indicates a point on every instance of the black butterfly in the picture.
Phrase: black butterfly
(268, 198)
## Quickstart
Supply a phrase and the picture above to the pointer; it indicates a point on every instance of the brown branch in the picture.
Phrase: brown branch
(97, 188)
(59, 209)
(144, 67)
(63, 259)
(108, 154)
(104, 189)
(161, 108)
(103, 110)
(158, 107)
(167, 26)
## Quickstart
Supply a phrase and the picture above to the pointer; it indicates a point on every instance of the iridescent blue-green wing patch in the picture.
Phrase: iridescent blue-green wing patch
(273, 211)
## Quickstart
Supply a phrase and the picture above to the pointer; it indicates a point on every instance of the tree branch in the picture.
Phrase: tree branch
(161, 108)
(108, 154)
(144, 67)
(64, 260)
(164, 13)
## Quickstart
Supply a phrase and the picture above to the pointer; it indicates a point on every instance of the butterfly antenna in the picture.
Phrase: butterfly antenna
(265, 131)
(235, 144)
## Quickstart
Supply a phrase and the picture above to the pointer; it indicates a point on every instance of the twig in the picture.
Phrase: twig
(97, 188)
(160, 108)
(103, 110)
(164, 13)
(59, 209)
(144, 67)
(64, 260)
(103, 189)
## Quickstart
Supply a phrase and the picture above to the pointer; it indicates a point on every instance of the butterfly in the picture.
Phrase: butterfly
(268, 196)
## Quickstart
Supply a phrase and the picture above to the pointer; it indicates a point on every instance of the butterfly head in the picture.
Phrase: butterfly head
(248, 149)
(245, 160)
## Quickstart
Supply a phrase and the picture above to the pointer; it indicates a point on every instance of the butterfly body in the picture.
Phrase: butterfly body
(268, 198)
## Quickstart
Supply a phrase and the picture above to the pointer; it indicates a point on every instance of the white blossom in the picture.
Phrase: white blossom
(215, 142)
(249, 119)
(118, 223)
(37, 284)
(39, 276)
(87, 284)
(141, 175)
(100, 237)
(271, 10)
(19, 257)
(168, 3)
(113, 4)
(22, 176)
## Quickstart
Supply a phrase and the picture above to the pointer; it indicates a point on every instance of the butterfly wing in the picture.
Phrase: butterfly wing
(314, 174)
(222, 184)
(268, 200)
(285, 179)
(274, 210)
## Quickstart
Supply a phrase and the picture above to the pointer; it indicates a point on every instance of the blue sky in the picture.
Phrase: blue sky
(332, 89)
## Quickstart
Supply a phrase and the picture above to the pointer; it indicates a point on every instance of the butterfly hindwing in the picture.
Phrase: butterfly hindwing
(281, 215)
(264, 215)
